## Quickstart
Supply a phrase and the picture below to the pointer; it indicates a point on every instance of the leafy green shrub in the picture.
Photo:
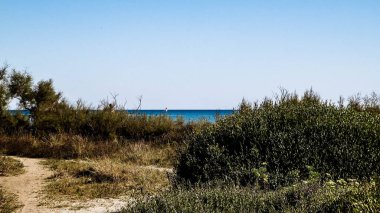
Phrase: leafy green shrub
(282, 139)
(303, 197)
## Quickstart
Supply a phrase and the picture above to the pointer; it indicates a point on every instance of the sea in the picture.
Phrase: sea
(187, 115)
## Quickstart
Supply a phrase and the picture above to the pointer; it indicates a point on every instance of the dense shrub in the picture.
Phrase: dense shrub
(97, 124)
(303, 197)
(280, 142)
(122, 125)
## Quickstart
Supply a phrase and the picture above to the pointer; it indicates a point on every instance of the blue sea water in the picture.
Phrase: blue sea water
(186, 115)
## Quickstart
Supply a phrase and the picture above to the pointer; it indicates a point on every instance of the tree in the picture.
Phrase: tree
(34, 98)
(41, 100)
(4, 94)
(20, 87)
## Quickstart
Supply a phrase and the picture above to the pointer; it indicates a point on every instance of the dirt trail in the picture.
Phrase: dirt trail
(28, 185)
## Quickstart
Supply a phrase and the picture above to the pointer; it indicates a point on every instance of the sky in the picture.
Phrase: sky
(194, 54)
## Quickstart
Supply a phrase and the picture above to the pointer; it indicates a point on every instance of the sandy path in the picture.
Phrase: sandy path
(28, 185)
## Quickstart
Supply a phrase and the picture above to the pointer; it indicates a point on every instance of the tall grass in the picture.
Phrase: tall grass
(61, 146)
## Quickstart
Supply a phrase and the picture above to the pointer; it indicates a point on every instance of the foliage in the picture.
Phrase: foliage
(4, 94)
(49, 113)
(303, 197)
(4, 99)
(275, 142)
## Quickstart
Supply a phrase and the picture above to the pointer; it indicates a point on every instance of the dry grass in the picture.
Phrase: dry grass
(10, 166)
(102, 178)
(97, 169)
(8, 202)
(76, 147)
(145, 154)
(54, 146)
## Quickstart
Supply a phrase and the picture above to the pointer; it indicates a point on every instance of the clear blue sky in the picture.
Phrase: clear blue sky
(194, 54)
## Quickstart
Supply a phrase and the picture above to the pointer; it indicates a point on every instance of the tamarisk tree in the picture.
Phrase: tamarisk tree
(4, 94)
(41, 99)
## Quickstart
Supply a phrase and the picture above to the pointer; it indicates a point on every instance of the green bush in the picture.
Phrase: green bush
(122, 125)
(275, 142)
(303, 197)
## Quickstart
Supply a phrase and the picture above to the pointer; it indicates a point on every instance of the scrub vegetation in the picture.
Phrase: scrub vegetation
(287, 154)
(286, 141)
(301, 197)
(49, 113)
(94, 152)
